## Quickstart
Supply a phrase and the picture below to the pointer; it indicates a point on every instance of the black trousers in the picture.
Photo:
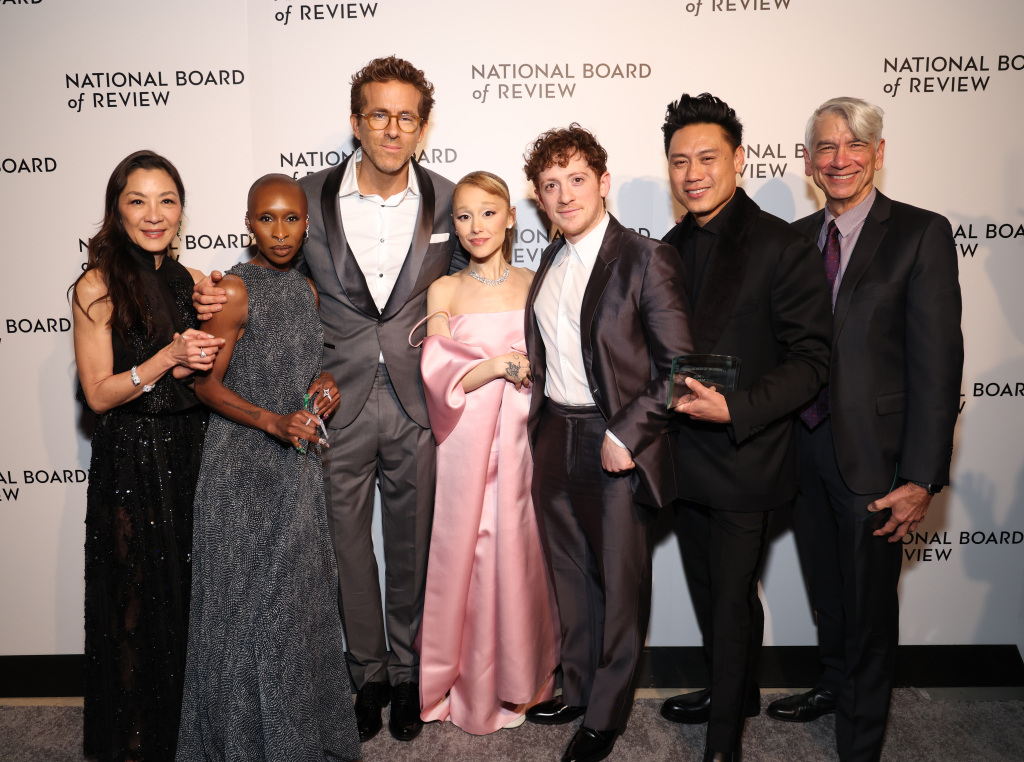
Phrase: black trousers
(853, 577)
(597, 543)
(723, 554)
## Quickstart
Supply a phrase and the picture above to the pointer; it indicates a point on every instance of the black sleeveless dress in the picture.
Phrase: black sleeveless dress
(138, 539)
(266, 676)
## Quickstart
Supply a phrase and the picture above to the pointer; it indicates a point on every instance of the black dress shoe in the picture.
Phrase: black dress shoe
(554, 712)
(405, 723)
(370, 699)
(695, 708)
(721, 756)
(803, 707)
(589, 745)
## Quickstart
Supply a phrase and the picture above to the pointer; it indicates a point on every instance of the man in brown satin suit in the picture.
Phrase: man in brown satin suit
(605, 316)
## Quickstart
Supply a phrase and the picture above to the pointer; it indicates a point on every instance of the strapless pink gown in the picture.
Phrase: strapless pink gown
(489, 638)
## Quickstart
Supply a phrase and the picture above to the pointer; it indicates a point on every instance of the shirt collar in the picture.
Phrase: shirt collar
(716, 224)
(350, 186)
(588, 246)
(851, 219)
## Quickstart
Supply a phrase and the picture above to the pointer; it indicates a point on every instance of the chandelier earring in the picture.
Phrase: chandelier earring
(305, 236)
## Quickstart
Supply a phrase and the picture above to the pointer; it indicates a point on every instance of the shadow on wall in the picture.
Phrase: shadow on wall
(996, 511)
(645, 204)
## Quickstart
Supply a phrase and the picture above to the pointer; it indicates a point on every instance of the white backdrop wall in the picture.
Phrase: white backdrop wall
(235, 89)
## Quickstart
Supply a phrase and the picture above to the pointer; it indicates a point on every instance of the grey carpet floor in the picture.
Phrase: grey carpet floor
(920, 729)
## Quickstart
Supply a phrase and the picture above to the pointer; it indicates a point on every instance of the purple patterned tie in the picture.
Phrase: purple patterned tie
(817, 411)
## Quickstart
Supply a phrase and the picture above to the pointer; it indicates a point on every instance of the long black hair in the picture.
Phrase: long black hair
(108, 249)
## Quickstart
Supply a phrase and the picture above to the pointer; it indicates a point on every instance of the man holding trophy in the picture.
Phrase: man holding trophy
(761, 311)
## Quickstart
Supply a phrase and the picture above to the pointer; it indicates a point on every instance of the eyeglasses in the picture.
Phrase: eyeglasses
(379, 120)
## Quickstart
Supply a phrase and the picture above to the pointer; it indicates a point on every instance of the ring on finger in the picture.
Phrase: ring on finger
(327, 393)
(308, 420)
(202, 352)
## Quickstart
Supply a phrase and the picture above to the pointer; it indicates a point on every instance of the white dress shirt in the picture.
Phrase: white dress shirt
(379, 231)
(557, 307)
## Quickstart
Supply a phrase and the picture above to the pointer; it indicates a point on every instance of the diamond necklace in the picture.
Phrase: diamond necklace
(489, 281)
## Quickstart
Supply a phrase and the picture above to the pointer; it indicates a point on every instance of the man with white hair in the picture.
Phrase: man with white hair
(876, 444)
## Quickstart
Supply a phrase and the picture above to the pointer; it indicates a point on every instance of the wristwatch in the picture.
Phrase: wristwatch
(932, 489)
(136, 380)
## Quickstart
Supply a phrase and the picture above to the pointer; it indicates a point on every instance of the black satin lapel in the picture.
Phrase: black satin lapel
(410, 271)
(599, 278)
(724, 278)
(534, 342)
(875, 227)
(349, 274)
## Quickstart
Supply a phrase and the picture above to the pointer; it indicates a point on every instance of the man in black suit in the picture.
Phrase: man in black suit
(605, 307)
(758, 294)
(877, 443)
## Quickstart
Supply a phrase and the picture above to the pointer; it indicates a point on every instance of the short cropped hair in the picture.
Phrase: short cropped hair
(864, 119)
(702, 109)
(560, 146)
(495, 186)
(392, 69)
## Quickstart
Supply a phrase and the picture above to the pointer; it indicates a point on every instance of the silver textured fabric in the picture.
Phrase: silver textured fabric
(266, 676)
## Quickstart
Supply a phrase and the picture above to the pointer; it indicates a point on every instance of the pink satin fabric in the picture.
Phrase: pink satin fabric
(489, 638)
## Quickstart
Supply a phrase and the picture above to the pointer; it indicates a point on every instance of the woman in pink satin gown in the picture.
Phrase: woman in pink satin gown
(489, 638)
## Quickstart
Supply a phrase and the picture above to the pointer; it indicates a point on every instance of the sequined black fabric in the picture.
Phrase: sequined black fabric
(266, 676)
(145, 461)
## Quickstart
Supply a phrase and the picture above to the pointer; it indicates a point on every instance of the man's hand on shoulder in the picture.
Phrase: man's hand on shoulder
(207, 297)
(909, 504)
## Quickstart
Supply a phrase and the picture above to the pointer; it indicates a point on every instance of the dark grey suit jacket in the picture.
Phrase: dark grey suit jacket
(633, 319)
(355, 331)
(764, 299)
(897, 349)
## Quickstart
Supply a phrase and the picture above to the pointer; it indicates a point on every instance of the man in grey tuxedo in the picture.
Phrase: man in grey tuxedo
(380, 232)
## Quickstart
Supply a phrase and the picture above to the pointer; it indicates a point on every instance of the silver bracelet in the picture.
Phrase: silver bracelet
(136, 380)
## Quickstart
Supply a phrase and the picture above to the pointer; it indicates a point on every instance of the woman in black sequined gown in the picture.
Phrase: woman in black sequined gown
(136, 346)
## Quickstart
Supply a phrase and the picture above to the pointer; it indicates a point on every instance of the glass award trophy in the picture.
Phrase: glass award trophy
(719, 371)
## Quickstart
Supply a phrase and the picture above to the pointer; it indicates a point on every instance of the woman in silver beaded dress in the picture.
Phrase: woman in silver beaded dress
(136, 346)
(266, 676)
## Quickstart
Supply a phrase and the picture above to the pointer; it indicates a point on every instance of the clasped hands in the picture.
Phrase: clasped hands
(193, 350)
(307, 424)
(515, 368)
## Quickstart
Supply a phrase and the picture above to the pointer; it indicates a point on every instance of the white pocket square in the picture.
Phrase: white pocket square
(438, 237)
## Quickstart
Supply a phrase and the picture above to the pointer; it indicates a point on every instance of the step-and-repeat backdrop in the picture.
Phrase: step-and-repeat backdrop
(238, 88)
